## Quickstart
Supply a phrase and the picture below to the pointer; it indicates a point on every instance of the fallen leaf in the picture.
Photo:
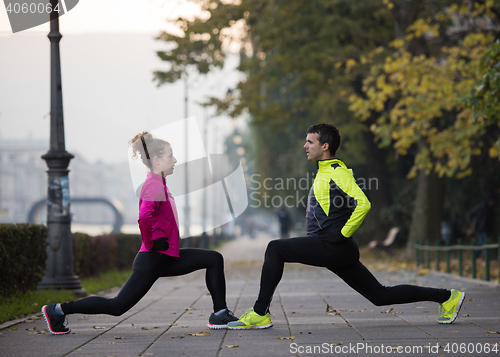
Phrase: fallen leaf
(286, 338)
(189, 308)
(337, 312)
(14, 329)
(31, 329)
(178, 337)
(336, 344)
(419, 307)
(199, 334)
(149, 328)
(119, 338)
(388, 311)
(465, 315)
(492, 332)
(423, 272)
(172, 324)
(40, 332)
(184, 326)
(232, 346)
(99, 327)
(111, 343)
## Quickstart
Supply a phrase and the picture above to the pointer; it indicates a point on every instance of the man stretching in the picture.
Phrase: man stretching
(336, 207)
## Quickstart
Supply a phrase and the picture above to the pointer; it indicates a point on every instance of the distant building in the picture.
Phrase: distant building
(23, 181)
(23, 177)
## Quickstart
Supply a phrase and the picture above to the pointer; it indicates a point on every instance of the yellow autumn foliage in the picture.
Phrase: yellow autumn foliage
(427, 90)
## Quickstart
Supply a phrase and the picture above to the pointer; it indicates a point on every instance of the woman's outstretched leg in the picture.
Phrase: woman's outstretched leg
(144, 274)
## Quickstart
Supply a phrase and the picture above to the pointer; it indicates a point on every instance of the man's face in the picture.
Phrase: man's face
(314, 149)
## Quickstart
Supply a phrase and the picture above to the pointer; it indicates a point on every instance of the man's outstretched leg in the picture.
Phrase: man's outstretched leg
(358, 277)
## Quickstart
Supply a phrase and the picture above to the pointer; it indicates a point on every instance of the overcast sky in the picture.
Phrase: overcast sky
(107, 60)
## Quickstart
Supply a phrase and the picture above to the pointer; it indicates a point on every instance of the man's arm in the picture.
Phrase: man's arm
(347, 183)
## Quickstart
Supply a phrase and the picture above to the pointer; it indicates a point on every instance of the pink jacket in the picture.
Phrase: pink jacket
(158, 215)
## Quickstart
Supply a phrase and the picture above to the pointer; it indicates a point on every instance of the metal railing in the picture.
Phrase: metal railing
(438, 248)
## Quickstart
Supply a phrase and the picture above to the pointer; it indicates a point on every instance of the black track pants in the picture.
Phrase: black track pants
(343, 260)
(147, 268)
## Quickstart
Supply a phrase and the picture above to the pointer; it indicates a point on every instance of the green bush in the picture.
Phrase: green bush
(127, 250)
(22, 257)
(95, 255)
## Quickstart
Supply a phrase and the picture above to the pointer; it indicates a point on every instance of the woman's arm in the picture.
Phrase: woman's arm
(146, 210)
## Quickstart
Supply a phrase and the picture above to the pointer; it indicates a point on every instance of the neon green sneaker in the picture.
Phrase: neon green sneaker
(448, 310)
(251, 320)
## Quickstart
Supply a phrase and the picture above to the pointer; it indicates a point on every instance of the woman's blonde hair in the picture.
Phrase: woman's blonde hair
(147, 147)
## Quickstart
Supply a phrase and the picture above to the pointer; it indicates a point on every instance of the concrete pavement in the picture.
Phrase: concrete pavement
(313, 311)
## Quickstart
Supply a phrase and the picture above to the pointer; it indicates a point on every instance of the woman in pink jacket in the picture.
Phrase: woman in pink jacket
(159, 255)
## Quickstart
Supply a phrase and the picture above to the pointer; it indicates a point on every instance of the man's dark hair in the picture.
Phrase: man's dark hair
(327, 133)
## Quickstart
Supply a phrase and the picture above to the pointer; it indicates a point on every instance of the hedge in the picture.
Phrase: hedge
(95, 255)
(22, 257)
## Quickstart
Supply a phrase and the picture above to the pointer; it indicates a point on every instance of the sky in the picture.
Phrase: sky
(108, 55)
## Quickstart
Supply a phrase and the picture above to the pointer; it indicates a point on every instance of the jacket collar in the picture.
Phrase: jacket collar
(155, 177)
(320, 164)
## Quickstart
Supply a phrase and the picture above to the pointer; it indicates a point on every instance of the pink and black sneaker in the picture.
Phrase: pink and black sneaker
(55, 321)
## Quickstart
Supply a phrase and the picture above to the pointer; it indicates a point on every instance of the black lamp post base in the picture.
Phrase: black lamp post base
(71, 283)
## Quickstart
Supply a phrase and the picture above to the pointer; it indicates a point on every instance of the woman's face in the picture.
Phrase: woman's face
(164, 165)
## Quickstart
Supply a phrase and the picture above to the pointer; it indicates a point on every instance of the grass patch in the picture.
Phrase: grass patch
(395, 259)
(105, 281)
(22, 304)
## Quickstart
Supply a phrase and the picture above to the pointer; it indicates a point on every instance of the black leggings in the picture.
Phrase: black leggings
(343, 260)
(147, 268)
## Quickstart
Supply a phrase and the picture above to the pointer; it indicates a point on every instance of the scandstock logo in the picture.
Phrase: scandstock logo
(211, 177)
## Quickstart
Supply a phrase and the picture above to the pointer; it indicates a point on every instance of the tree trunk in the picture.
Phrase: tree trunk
(428, 211)
(378, 188)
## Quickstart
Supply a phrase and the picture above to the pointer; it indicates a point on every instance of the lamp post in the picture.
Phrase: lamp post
(59, 268)
(186, 146)
(204, 243)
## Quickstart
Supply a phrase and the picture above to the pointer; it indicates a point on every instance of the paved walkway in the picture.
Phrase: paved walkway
(314, 313)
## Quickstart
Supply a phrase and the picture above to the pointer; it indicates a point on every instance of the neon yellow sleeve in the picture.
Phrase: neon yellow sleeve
(346, 182)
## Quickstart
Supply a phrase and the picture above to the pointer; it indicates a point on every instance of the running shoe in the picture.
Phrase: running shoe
(55, 322)
(251, 320)
(220, 321)
(448, 310)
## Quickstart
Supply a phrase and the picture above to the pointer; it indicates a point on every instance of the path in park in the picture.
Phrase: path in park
(314, 313)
